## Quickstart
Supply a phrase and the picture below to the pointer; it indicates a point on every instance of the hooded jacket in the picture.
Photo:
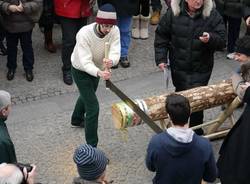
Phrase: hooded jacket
(178, 35)
(176, 162)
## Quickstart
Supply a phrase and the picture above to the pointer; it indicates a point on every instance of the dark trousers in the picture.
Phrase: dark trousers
(26, 45)
(156, 5)
(233, 31)
(87, 106)
(143, 8)
(70, 27)
(196, 118)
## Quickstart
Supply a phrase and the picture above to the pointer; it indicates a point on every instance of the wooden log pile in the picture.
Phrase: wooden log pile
(200, 98)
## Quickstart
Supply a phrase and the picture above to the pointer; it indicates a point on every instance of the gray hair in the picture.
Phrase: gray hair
(15, 176)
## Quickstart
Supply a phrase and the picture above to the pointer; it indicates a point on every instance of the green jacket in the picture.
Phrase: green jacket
(7, 150)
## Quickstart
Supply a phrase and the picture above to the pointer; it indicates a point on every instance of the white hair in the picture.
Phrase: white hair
(10, 174)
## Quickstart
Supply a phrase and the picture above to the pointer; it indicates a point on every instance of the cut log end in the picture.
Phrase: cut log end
(117, 116)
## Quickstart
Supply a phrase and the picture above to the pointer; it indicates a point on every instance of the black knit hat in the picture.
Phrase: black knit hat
(91, 162)
(243, 45)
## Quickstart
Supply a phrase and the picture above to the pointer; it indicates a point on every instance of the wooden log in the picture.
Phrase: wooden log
(200, 98)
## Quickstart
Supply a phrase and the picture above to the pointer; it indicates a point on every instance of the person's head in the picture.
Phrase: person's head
(10, 174)
(242, 52)
(91, 163)
(106, 18)
(178, 108)
(245, 71)
(5, 104)
(194, 5)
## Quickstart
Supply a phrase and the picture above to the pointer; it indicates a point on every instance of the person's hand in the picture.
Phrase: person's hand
(20, 7)
(162, 66)
(105, 75)
(31, 175)
(248, 21)
(92, 3)
(107, 63)
(12, 8)
(205, 37)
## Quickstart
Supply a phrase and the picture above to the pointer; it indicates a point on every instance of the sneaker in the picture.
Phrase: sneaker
(77, 125)
(124, 62)
(67, 78)
(10, 74)
(231, 56)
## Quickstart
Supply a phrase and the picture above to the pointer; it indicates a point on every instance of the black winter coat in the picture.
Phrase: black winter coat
(191, 60)
(234, 161)
(123, 7)
(232, 8)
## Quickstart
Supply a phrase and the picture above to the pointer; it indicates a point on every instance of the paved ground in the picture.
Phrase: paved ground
(40, 121)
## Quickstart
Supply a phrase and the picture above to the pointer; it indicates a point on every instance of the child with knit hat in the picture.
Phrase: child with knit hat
(89, 65)
(242, 53)
(91, 165)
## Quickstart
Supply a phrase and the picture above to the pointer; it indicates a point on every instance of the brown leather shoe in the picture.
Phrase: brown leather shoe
(155, 18)
(48, 42)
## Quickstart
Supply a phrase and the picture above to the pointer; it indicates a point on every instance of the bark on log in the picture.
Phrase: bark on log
(200, 98)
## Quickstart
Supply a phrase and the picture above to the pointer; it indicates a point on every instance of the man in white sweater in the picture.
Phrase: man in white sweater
(89, 65)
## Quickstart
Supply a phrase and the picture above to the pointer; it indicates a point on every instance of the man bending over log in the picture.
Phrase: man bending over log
(178, 155)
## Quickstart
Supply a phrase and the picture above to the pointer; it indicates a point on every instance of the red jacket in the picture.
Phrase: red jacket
(72, 8)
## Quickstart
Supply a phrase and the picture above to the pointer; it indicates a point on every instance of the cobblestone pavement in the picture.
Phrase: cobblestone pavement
(39, 123)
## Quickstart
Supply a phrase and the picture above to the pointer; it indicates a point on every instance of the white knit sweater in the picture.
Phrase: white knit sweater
(89, 50)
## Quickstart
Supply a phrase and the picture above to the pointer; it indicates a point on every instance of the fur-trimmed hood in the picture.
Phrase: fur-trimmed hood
(206, 9)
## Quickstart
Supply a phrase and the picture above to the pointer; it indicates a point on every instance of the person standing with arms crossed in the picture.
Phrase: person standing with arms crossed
(87, 59)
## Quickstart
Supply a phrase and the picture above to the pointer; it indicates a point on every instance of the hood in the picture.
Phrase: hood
(174, 146)
(206, 9)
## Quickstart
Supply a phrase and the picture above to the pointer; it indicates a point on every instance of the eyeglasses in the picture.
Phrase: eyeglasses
(107, 26)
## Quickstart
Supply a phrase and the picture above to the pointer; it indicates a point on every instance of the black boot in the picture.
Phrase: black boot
(10, 74)
(67, 77)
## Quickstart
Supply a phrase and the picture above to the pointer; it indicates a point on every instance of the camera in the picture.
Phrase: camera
(27, 166)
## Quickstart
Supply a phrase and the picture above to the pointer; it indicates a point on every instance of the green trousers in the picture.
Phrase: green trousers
(87, 106)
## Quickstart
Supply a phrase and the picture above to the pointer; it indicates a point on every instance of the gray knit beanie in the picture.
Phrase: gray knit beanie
(5, 99)
(91, 162)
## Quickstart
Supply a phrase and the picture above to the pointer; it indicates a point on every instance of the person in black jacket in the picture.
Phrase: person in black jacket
(189, 33)
(232, 12)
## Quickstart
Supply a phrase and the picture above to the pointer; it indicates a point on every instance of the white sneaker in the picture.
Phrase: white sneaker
(231, 55)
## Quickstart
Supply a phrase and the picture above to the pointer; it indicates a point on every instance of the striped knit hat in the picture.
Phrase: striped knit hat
(91, 162)
(106, 14)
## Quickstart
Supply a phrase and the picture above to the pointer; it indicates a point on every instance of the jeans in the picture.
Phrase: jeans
(26, 45)
(70, 27)
(156, 5)
(233, 25)
(124, 24)
(87, 106)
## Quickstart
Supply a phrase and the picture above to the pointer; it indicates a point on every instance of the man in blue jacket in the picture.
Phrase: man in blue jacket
(178, 155)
